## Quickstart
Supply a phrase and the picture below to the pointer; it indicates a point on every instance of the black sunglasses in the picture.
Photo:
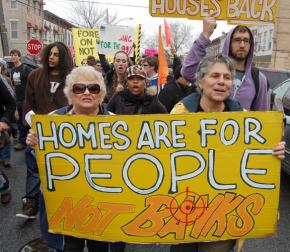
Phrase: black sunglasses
(80, 88)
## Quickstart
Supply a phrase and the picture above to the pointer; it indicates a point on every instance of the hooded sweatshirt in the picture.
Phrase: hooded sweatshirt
(246, 92)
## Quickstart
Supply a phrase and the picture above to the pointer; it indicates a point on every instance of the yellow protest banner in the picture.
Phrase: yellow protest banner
(85, 43)
(246, 10)
(160, 178)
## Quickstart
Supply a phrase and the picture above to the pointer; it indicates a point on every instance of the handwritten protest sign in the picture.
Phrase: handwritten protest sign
(116, 38)
(85, 43)
(160, 178)
(86, 40)
(246, 10)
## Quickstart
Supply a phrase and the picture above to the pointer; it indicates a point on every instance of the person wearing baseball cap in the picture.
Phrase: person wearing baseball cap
(136, 97)
(136, 70)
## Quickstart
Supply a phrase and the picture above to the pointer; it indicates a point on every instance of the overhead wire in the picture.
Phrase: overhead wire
(87, 1)
(59, 4)
(34, 7)
(83, 1)
(97, 2)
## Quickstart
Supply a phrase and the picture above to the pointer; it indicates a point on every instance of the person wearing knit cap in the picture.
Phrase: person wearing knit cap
(175, 90)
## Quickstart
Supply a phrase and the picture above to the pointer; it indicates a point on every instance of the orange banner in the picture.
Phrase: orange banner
(162, 62)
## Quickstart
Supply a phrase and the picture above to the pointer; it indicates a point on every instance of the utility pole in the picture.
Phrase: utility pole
(3, 31)
(107, 18)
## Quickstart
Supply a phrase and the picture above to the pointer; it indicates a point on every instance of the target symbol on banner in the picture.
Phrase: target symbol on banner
(187, 207)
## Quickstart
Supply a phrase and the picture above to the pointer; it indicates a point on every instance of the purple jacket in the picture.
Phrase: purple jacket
(246, 93)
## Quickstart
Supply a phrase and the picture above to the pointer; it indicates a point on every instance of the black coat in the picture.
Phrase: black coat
(109, 76)
(7, 104)
(172, 93)
(125, 103)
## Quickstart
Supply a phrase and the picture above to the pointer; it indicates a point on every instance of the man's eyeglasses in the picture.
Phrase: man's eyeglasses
(240, 40)
(80, 88)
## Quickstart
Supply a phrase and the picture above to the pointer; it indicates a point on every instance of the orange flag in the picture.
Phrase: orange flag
(162, 62)
(168, 33)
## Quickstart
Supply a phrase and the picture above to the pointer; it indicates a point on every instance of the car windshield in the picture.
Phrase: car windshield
(282, 99)
(275, 76)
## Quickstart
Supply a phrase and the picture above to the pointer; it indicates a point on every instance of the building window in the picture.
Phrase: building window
(34, 33)
(44, 35)
(265, 39)
(47, 37)
(270, 40)
(28, 33)
(39, 9)
(28, 6)
(13, 4)
(14, 29)
(259, 46)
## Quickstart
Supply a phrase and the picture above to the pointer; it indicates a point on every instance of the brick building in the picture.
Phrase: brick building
(281, 40)
(26, 19)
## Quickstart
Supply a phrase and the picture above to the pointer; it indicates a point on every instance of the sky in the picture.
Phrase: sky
(138, 15)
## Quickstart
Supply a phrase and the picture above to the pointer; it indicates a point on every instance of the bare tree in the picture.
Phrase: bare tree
(91, 15)
(150, 41)
(182, 37)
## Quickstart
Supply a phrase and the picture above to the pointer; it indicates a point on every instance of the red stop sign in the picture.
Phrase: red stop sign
(34, 46)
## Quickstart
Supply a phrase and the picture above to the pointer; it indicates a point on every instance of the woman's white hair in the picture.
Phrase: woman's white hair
(207, 62)
(87, 73)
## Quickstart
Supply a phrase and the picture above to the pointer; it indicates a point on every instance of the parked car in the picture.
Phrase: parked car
(282, 103)
(24, 59)
(275, 76)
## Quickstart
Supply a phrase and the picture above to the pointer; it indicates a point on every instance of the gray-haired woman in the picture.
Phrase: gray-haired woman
(215, 79)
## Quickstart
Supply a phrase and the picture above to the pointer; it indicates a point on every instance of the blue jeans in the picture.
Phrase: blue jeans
(32, 177)
(5, 152)
(4, 182)
(23, 130)
(55, 241)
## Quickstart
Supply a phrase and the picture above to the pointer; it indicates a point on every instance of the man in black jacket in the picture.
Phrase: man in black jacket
(7, 109)
(19, 75)
(175, 90)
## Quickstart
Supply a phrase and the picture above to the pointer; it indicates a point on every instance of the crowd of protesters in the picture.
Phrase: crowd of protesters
(199, 84)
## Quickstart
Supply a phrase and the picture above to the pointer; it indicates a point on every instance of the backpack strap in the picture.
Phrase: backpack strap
(255, 75)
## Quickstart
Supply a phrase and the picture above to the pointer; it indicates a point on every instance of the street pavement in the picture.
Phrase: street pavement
(15, 232)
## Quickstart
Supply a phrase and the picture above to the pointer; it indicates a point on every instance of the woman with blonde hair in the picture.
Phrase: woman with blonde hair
(85, 90)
